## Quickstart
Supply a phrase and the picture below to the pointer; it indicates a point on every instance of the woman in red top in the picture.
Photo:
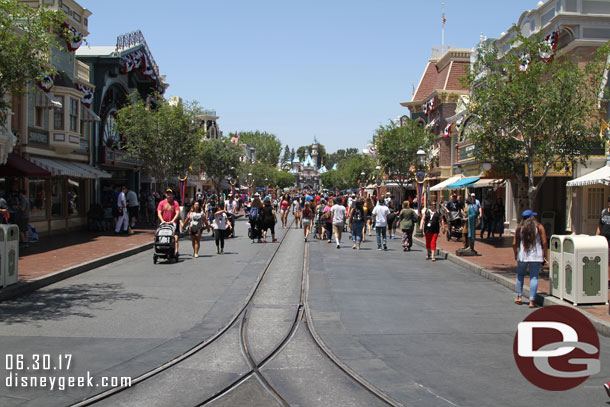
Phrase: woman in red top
(284, 208)
(168, 211)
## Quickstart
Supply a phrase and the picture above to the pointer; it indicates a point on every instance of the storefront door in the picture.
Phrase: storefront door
(595, 197)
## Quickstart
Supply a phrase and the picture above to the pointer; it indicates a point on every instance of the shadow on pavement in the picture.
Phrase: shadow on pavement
(61, 303)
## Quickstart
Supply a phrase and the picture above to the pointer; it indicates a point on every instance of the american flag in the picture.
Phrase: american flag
(444, 19)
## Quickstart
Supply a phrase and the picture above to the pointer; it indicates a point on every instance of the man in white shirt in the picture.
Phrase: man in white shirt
(133, 206)
(380, 215)
(338, 216)
(123, 215)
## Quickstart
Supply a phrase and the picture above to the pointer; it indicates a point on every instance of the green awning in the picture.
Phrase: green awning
(463, 183)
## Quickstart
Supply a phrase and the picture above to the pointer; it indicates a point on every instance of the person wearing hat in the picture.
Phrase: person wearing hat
(168, 212)
(530, 248)
(603, 228)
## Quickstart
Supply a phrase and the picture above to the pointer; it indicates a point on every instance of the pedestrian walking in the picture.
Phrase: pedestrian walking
(284, 209)
(168, 211)
(392, 216)
(307, 219)
(407, 218)
(498, 218)
(380, 215)
(487, 220)
(327, 217)
(221, 225)
(24, 217)
(368, 210)
(269, 219)
(472, 210)
(431, 225)
(356, 220)
(123, 220)
(297, 212)
(338, 220)
(530, 248)
(255, 218)
(195, 222)
(133, 207)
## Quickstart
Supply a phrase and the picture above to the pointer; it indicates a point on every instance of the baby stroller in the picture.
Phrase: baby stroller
(454, 224)
(165, 247)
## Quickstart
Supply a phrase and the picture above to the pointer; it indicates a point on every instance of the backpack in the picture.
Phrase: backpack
(358, 215)
(253, 214)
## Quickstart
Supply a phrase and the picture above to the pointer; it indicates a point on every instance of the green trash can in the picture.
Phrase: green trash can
(586, 269)
(9, 252)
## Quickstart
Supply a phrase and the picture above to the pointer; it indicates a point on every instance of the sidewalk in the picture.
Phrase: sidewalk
(54, 258)
(497, 257)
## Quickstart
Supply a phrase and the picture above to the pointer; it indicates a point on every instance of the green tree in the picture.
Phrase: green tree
(219, 159)
(530, 117)
(164, 140)
(349, 173)
(292, 154)
(340, 155)
(283, 179)
(286, 160)
(268, 146)
(397, 149)
(27, 37)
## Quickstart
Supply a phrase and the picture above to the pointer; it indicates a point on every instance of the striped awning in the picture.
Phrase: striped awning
(69, 169)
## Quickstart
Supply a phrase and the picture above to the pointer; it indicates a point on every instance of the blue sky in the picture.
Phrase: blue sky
(331, 69)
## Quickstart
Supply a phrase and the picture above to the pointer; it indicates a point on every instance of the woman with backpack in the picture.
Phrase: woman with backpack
(431, 225)
(269, 219)
(255, 219)
(407, 218)
(195, 221)
(357, 218)
(307, 219)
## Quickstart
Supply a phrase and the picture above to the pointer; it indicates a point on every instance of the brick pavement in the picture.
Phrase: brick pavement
(497, 256)
(54, 253)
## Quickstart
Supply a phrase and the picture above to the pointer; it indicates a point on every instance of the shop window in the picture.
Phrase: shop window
(57, 198)
(595, 202)
(38, 198)
(73, 115)
(58, 115)
(75, 196)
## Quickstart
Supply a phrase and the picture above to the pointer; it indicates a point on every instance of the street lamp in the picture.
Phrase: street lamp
(420, 178)
(249, 183)
(266, 185)
(233, 181)
(362, 183)
(378, 181)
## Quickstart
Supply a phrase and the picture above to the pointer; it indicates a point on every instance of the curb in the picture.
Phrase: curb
(26, 287)
(602, 327)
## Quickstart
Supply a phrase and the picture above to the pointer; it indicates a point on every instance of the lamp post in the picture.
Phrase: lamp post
(249, 183)
(362, 183)
(266, 185)
(233, 181)
(420, 178)
(378, 181)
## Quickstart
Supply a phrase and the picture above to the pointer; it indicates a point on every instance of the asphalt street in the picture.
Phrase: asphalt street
(428, 334)
(128, 317)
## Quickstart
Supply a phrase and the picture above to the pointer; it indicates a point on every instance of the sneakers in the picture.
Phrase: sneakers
(222, 251)
(217, 250)
(353, 247)
(378, 247)
(607, 387)
(251, 240)
(404, 249)
(385, 247)
(195, 255)
(305, 238)
(259, 241)
(274, 240)
(338, 246)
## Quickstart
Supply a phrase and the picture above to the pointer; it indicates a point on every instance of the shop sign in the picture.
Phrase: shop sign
(466, 152)
(36, 137)
(556, 170)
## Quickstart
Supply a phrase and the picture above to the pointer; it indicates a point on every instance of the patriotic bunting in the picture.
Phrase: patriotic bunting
(546, 51)
(46, 83)
(524, 62)
(88, 98)
(137, 61)
(75, 38)
(447, 131)
(429, 106)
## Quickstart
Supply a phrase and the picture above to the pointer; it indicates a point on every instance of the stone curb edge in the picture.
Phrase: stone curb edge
(601, 326)
(26, 287)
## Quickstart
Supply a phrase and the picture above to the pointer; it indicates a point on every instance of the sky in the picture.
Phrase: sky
(333, 69)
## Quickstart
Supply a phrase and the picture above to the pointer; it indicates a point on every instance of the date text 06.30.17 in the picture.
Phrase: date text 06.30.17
(36, 361)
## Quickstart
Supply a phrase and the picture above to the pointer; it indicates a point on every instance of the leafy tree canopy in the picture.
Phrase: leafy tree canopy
(268, 146)
(219, 158)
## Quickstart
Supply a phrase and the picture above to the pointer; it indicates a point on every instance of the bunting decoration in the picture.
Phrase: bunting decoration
(447, 131)
(88, 97)
(75, 38)
(429, 106)
(137, 61)
(46, 83)
(458, 126)
(549, 46)
(524, 62)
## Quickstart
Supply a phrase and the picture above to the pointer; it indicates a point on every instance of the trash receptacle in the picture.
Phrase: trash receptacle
(548, 221)
(556, 270)
(585, 269)
(2, 250)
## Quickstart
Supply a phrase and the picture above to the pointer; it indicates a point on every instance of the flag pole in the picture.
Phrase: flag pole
(443, 29)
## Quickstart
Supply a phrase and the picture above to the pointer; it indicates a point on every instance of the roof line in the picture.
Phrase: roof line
(420, 81)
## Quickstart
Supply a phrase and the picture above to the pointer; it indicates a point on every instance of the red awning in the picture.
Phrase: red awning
(20, 167)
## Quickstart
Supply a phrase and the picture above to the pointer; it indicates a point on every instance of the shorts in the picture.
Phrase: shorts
(306, 222)
(194, 233)
(22, 223)
(297, 214)
(133, 211)
(337, 228)
(282, 211)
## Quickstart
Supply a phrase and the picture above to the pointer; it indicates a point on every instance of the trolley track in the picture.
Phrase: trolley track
(241, 320)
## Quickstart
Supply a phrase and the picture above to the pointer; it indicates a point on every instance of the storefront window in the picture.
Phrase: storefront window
(38, 198)
(75, 196)
(57, 197)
